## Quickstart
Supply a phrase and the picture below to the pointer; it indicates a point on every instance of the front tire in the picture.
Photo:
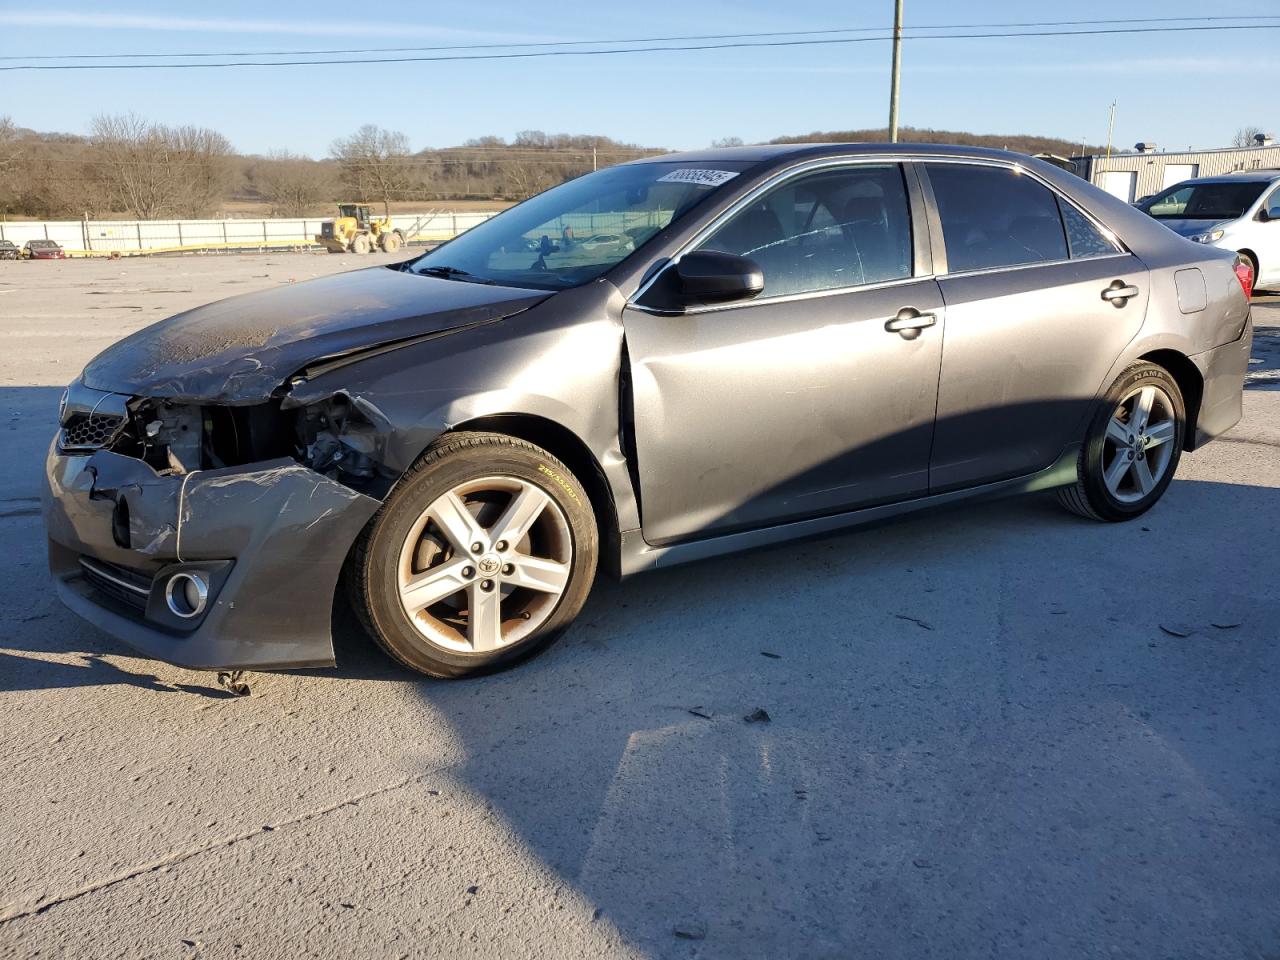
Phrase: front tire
(1132, 447)
(481, 557)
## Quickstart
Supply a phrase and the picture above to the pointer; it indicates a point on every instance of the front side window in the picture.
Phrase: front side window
(995, 217)
(573, 233)
(1204, 201)
(823, 231)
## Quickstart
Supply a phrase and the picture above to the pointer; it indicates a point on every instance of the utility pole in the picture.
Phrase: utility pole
(897, 70)
(593, 154)
(1111, 126)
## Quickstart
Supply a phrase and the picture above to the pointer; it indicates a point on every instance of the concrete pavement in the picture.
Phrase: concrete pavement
(988, 736)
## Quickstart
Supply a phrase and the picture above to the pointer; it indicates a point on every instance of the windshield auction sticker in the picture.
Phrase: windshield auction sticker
(701, 178)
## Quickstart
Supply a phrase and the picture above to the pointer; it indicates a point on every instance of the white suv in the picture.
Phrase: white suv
(1236, 211)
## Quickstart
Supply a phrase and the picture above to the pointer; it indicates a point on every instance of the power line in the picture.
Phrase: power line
(671, 39)
(622, 50)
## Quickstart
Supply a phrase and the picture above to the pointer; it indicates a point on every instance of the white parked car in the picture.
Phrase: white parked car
(1236, 211)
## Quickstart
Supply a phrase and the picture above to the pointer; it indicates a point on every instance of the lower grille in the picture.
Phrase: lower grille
(130, 587)
(89, 431)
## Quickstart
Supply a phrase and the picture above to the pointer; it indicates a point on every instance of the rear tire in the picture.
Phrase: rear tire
(360, 244)
(436, 603)
(1131, 449)
(390, 243)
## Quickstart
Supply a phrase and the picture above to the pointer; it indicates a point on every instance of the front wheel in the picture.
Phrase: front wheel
(482, 555)
(1132, 447)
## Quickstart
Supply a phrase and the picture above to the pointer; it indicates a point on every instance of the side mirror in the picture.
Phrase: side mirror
(708, 276)
(1270, 213)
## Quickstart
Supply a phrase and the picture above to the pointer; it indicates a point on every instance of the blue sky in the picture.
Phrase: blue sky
(1192, 89)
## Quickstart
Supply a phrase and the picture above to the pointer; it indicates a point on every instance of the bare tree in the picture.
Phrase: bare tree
(524, 178)
(292, 183)
(375, 164)
(727, 142)
(9, 157)
(155, 171)
(202, 159)
(1244, 136)
(131, 156)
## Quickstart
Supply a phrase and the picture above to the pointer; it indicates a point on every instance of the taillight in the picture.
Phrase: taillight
(1244, 273)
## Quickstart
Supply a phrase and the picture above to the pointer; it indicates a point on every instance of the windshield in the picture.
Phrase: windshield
(1204, 201)
(573, 233)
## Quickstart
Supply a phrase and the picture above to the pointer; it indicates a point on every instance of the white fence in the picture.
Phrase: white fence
(100, 238)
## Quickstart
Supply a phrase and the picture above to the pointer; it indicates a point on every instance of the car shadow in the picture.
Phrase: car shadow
(972, 734)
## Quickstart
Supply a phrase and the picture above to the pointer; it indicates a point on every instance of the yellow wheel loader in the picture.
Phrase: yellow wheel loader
(354, 231)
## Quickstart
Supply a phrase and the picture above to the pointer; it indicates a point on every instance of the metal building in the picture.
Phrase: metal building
(1146, 170)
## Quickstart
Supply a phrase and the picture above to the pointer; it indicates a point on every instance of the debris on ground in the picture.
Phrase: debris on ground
(922, 863)
(771, 656)
(697, 712)
(1176, 630)
(690, 930)
(916, 620)
(1225, 624)
(233, 682)
(758, 715)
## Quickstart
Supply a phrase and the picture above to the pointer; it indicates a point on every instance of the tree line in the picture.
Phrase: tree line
(128, 166)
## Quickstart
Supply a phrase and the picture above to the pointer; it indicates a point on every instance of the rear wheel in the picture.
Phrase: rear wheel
(1132, 447)
(481, 557)
(390, 242)
(360, 244)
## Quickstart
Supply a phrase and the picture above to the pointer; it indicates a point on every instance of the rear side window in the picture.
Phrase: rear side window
(825, 230)
(995, 217)
(1083, 238)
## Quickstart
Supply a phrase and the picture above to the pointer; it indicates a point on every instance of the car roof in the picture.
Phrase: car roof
(1247, 176)
(775, 152)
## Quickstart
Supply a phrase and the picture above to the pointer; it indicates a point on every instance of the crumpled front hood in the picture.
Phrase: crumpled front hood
(237, 351)
(1193, 228)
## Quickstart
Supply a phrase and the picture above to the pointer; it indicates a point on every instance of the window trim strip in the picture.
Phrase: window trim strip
(911, 165)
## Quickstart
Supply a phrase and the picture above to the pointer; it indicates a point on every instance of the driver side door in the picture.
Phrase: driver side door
(803, 401)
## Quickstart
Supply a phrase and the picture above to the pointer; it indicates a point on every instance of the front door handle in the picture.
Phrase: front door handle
(1119, 293)
(908, 322)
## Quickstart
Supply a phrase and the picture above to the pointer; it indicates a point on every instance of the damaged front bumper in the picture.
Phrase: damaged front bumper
(267, 540)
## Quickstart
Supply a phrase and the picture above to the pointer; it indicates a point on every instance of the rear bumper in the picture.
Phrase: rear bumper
(1223, 370)
(269, 538)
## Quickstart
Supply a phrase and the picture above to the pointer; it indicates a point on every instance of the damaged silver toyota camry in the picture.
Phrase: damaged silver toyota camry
(663, 361)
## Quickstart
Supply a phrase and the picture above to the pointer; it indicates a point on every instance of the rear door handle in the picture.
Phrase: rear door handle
(1119, 293)
(908, 322)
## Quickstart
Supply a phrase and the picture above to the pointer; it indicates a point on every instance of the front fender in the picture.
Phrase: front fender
(560, 362)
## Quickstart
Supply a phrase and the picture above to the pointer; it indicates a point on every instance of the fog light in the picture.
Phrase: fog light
(186, 594)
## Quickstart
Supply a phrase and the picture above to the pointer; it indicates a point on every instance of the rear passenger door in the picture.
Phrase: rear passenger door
(1029, 335)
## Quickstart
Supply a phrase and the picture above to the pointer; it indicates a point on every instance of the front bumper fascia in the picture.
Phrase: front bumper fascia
(272, 536)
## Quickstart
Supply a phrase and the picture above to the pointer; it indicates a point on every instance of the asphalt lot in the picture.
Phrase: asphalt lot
(989, 736)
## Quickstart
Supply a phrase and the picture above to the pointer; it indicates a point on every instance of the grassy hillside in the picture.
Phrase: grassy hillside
(1020, 142)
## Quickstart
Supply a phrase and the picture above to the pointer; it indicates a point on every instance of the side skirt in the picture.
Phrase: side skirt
(638, 556)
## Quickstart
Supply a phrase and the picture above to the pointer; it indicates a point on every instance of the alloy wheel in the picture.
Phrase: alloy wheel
(1139, 443)
(485, 564)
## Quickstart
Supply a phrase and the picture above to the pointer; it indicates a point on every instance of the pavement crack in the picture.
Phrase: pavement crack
(21, 512)
(1256, 443)
(16, 910)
